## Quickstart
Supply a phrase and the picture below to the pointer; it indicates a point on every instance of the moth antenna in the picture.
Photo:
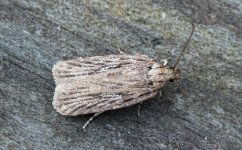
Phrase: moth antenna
(185, 46)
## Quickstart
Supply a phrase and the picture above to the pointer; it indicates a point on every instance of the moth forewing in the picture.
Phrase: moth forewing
(115, 81)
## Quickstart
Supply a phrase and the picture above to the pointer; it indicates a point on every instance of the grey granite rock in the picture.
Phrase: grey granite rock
(202, 111)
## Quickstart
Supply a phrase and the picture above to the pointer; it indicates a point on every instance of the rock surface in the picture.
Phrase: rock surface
(201, 111)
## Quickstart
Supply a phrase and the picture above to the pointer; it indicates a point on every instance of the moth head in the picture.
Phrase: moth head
(173, 74)
(169, 74)
(160, 73)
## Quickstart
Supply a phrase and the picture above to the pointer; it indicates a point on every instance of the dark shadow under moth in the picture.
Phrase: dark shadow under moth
(100, 83)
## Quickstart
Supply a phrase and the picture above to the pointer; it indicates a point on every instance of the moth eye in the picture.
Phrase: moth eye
(171, 80)
(150, 83)
(149, 68)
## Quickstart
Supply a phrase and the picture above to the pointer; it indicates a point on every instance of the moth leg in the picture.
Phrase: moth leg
(120, 51)
(90, 119)
(139, 108)
(160, 94)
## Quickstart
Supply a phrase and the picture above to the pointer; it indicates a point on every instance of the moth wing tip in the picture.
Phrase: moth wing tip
(60, 107)
(56, 103)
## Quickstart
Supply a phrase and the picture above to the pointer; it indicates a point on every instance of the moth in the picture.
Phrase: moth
(93, 85)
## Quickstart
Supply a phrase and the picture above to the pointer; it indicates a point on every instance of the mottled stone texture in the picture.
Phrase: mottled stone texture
(202, 111)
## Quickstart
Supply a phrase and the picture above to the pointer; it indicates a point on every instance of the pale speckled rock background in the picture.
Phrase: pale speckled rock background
(202, 111)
